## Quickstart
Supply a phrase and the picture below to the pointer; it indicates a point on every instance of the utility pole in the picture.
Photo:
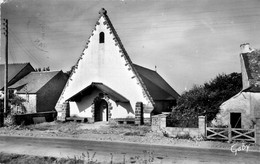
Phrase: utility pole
(6, 68)
(3, 112)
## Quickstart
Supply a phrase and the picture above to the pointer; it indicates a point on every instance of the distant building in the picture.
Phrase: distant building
(40, 90)
(16, 71)
(105, 84)
(241, 110)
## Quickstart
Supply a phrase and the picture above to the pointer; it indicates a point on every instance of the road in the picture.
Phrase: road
(121, 152)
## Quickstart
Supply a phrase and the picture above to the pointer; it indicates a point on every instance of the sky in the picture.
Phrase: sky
(189, 41)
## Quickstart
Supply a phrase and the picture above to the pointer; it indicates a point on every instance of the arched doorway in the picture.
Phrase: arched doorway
(101, 110)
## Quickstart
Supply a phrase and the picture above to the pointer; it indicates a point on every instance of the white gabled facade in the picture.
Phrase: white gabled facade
(106, 63)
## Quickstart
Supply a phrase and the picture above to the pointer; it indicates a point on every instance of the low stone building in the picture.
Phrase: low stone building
(106, 85)
(241, 110)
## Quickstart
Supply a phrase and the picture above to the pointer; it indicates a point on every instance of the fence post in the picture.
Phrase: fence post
(257, 131)
(202, 125)
(229, 133)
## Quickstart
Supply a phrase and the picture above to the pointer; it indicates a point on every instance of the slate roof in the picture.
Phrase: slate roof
(254, 89)
(13, 70)
(158, 88)
(252, 65)
(34, 81)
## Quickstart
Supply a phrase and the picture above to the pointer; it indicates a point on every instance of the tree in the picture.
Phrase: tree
(206, 99)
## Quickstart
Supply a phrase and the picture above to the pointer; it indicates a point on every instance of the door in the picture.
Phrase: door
(101, 111)
(235, 120)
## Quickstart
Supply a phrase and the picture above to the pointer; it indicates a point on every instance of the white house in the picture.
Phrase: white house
(241, 110)
(105, 84)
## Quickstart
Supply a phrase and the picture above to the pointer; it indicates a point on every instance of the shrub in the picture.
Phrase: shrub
(205, 99)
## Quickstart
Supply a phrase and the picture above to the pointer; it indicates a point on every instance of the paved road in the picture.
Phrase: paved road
(121, 152)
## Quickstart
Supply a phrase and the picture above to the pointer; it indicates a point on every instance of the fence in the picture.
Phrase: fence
(231, 134)
(211, 133)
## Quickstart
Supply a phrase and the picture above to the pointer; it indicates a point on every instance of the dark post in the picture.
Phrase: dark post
(6, 70)
(3, 108)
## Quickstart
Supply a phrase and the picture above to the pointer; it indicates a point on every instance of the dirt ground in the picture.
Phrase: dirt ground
(111, 132)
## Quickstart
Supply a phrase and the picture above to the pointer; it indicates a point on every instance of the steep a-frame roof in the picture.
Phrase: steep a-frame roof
(103, 13)
(158, 88)
(152, 90)
(13, 71)
(34, 81)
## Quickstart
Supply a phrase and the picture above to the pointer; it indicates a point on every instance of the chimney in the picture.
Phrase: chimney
(245, 48)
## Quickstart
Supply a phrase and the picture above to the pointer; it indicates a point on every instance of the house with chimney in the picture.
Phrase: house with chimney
(106, 85)
(242, 110)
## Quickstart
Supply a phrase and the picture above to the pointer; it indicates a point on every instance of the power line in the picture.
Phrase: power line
(146, 14)
(157, 21)
(26, 51)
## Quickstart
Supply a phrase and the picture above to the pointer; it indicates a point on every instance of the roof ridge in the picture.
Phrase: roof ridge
(46, 71)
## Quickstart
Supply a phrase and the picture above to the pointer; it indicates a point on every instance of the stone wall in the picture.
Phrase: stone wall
(158, 122)
(139, 119)
(159, 125)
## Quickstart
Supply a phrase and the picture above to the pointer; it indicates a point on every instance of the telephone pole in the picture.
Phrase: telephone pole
(3, 112)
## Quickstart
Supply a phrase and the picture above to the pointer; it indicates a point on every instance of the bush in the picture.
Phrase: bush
(9, 121)
(205, 99)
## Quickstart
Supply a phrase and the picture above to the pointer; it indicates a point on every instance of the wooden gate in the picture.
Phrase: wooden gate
(231, 134)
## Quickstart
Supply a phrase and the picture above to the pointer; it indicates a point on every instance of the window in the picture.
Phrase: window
(101, 37)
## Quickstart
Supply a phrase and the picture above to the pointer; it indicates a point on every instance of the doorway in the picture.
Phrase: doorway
(101, 111)
(235, 120)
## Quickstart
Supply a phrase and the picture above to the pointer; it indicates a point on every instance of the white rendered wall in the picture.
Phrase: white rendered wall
(104, 63)
(246, 103)
(30, 102)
